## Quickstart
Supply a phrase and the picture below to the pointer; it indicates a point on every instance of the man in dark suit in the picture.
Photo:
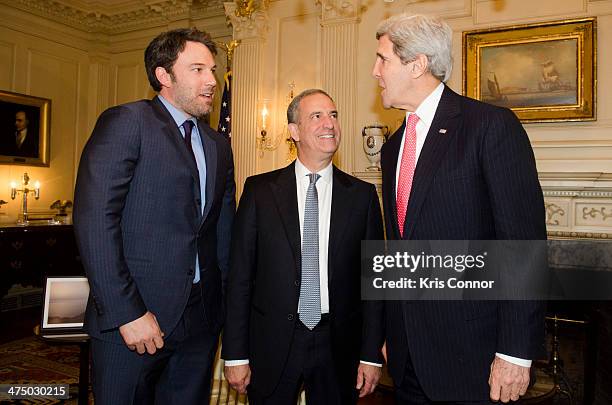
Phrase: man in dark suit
(25, 141)
(294, 310)
(154, 205)
(458, 169)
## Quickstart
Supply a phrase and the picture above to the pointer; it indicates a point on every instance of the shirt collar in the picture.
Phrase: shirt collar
(301, 171)
(428, 107)
(178, 116)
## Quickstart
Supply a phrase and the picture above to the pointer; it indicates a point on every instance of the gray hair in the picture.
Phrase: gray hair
(292, 110)
(416, 34)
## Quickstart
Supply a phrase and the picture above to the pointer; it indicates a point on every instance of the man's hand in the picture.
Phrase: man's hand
(143, 334)
(238, 377)
(367, 378)
(507, 380)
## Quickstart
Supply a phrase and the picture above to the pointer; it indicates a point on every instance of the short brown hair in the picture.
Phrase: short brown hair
(164, 49)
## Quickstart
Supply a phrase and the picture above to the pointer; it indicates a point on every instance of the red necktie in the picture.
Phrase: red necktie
(406, 174)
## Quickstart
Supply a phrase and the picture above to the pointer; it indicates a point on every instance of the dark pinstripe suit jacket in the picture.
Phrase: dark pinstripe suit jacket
(139, 223)
(476, 181)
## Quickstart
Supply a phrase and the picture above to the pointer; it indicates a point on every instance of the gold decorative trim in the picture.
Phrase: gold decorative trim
(594, 212)
(251, 27)
(577, 193)
(106, 20)
(578, 235)
(339, 11)
(551, 211)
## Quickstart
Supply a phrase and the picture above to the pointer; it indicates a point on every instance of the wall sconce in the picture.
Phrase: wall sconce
(265, 118)
(25, 190)
(265, 141)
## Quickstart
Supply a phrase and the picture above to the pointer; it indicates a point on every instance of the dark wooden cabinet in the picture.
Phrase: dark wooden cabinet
(31, 253)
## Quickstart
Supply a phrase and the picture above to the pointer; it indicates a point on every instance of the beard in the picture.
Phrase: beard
(192, 102)
(193, 105)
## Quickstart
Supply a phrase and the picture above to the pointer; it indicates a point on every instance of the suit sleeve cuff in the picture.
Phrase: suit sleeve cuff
(231, 363)
(370, 363)
(514, 360)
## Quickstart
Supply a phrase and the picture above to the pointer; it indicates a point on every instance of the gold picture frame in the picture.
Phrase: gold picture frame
(544, 72)
(25, 123)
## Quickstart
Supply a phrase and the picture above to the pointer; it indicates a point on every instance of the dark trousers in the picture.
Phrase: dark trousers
(310, 364)
(179, 373)
(410, 392)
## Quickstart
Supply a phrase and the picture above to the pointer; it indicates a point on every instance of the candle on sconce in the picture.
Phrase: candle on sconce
(13, 190)
(37, 190)
(264, 115)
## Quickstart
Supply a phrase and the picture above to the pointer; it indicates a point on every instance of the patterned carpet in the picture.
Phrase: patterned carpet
(31, 360)
(34, 361)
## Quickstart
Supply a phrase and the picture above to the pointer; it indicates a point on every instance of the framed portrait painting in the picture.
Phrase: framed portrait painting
(25, 125)
(544, 72)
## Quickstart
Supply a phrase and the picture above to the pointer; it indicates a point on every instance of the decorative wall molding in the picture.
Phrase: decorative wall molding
(578, 193)
(339, 45)
(123, 17)
(254, 26)
(339, 11)
(248, 66)
(579, 235)
(247, 61)
(578, 204)
(552, 210)
(591, 212)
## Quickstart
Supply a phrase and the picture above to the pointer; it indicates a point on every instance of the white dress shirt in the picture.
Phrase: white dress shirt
(426, 111)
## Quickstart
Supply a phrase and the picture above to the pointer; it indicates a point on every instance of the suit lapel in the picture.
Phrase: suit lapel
(172, 131)
(342, 202)
(393, 144)
(447, 119)
(284, 191)
(210, 154)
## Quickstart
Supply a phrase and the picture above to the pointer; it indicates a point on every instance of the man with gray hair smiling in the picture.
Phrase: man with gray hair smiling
(294, 310)
(457, 169)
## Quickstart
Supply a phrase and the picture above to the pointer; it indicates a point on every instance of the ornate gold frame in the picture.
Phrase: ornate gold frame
(43, 122)
(583, 31)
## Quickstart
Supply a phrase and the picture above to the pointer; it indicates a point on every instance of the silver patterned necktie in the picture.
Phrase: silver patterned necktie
(310, 295)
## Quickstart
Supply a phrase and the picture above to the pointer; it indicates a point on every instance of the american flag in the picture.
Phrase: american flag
(225, 119)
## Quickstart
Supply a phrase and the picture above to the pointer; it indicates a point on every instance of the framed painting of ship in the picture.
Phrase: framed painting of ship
(544, 72)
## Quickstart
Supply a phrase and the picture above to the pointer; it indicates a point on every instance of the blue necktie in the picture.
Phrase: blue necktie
(310, 294)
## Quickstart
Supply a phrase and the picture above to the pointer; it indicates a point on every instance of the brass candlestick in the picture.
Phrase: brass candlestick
(25, 190)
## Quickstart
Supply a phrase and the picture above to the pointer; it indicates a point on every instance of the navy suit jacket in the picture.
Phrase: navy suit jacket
(265, 272)
(139, 223)
(477, 180)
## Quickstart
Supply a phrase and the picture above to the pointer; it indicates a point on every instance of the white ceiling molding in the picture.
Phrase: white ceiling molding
(118, 16)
